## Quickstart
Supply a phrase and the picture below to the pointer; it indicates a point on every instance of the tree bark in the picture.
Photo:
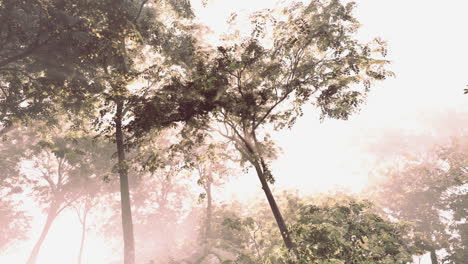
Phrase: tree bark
(52, 214)
(434, 257)
(127, 223)
(208, 210)
(274, 207)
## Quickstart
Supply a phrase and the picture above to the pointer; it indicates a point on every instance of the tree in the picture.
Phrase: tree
(105, 44)
(82, 210)
(348, 232)
(51, 176)
(459, 228)
(430, 193)
(14, 222)
(212, 162)
(90, 189)
(249, 234)
(52, 165)
(324, 229)
(458, 249)
(37, 38)
(455, 199)
(163, 191)
(311, 57)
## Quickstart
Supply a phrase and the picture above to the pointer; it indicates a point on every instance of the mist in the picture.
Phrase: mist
(233, 132)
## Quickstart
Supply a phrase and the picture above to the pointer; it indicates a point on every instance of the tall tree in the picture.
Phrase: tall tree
(211, 162)
(82, 210)
(104, 45)
(306, 54)
(161, 195)
(162, 191)
(59, 165)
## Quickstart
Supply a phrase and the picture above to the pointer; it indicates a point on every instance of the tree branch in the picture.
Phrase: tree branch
(139, 11)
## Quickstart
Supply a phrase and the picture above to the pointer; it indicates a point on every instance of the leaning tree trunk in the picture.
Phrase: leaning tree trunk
(274, 207)
(127, 224)
(258, 163)
(434, 257)
(52, 214)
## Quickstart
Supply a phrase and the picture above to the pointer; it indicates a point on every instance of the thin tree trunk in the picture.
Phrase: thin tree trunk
(52, 214)
(127, 223)
(274, 207)
(83, 236)
(208, 210)
(433, 257)
(118, 20)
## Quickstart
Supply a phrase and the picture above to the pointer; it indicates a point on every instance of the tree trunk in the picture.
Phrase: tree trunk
(127, 224)
(83, 236)
(433, 257)
(52, 214)
(274, 207)
(208, 210)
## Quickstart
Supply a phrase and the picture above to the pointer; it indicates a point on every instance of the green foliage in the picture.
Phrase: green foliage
(308, 53)
(66, 164)
(313, 56)
(82, 56)
(37, 38)
(347, 232)
(296, 55)
(102, 43)
(56, 164)
(14, 144)
(180, 100)
(333, 230)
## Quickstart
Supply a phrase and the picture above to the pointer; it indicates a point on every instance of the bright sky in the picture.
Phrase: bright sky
(427, 44)
(427, 48)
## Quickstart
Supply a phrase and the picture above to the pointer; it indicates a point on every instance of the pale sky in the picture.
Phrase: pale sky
(427, 49)
(427, 45)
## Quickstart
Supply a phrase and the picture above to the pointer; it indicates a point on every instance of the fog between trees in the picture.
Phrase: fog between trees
(126, 127)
